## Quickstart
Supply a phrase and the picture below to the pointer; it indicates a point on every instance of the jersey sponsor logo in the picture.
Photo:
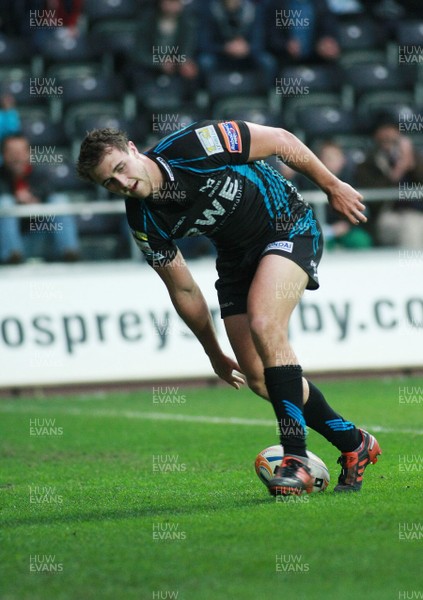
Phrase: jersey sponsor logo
(209, 214)
(209, 140)
(166, 167)
(285, 246)
(229, 189)
(212, 185)
(231, 135)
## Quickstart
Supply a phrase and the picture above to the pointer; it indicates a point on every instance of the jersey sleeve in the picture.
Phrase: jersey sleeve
(206, 145)
(156, 246)
(157, 255)
(232, 145)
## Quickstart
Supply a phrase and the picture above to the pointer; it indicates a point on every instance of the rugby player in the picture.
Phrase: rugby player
(210, 179)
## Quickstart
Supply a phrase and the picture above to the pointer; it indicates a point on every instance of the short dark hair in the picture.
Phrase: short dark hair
(96, 144)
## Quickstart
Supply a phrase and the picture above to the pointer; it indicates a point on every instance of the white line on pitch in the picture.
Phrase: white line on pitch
(155, 416)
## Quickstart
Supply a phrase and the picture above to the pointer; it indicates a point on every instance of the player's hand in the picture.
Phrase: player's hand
(347, 201)
(224, 367)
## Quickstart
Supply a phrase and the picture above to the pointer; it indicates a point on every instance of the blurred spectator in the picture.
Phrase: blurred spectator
(337, 231)
(395, 163)
(9, 117)
(301, 31)
(166, 40)
(64, 16)
(20, 183)
(233, 38)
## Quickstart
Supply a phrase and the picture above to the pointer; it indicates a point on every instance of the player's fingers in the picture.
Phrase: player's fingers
(236, 381)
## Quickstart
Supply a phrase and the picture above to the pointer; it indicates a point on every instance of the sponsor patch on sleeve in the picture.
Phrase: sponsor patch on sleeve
(231, 135)
(209, 139)
(141, 240)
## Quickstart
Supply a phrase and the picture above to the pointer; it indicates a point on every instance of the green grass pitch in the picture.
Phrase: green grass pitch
(153, 495)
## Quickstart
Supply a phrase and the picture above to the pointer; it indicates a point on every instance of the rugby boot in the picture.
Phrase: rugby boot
(292, 477)
(354, 463)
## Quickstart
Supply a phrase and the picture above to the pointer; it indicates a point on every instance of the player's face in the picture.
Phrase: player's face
(124, 173)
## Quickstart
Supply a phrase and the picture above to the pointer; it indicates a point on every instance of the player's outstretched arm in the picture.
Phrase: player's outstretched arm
(268, 141)
(191, 306)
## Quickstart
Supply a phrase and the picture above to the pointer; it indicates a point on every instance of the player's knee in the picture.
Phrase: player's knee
(263, 327)
(257, 385)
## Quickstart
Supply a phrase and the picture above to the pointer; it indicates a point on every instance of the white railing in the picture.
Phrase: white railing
(96, 207)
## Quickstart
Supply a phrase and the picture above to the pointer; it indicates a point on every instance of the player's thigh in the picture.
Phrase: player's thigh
(238, 331)
(276, 289)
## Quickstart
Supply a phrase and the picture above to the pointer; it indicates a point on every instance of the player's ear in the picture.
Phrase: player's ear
(132, 148)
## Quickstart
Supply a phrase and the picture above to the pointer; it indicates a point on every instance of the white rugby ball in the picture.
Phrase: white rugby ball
(270, 458)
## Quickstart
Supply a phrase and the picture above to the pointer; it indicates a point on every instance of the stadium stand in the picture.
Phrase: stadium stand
(92, 79)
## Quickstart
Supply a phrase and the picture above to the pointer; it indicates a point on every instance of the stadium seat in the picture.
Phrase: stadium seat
(410, 33)
(116, 37)
(362, 57)
(292, 106)
(42, 132)
(160, 125)
(311, 78)
(325, 121)
(161, 93)
(63, 178)
(26, 91)
(360, 33)
(377, 77)
(253, 109)
(91, 88)
(84, 122)
(14, 51)
(223, 84)
(29, 114)
(63, 71)
(82, 117)
(96, 10)
(67, 50)
(392, 103)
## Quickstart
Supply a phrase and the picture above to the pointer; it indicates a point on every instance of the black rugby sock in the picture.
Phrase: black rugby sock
(323, 419)
(285, 387)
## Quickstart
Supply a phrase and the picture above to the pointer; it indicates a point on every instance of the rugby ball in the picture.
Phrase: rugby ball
(269, 458)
